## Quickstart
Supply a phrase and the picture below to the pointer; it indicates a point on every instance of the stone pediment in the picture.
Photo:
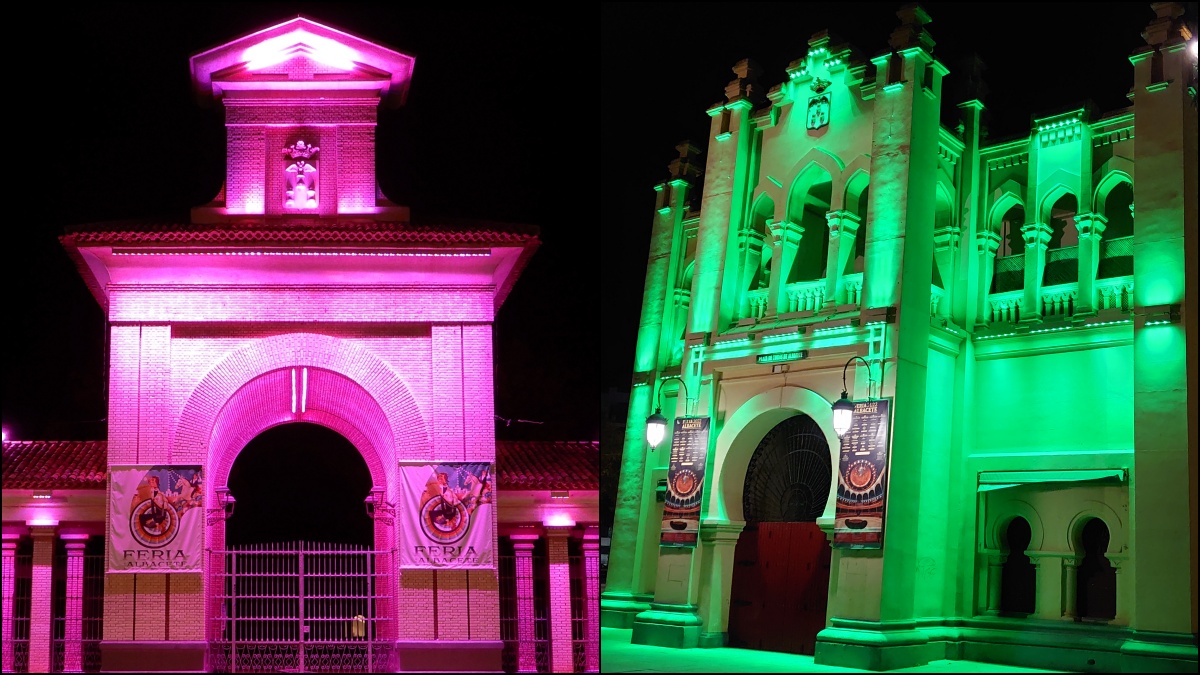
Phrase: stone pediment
(301, 55)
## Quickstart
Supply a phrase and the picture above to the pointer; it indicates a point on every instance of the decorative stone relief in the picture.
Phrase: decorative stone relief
(300, 176)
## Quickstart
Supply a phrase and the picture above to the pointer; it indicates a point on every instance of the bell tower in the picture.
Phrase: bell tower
(300, 102)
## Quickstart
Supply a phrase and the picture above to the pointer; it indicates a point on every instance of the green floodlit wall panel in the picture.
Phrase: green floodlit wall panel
(937, 511)
(1072, 401)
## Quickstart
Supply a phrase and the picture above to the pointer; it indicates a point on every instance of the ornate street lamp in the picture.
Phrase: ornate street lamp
(843, 409)
(656, 424)
(226, 500)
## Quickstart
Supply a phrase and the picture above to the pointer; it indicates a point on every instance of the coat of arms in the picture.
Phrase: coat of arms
(818, 111)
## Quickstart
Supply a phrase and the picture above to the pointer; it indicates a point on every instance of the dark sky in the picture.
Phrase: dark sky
(109, 130)
(664, 64)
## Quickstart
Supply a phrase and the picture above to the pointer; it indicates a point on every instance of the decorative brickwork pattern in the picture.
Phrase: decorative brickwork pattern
(150, 606)
(416, 591)
(526, 653)
(356, 168)
(244, 169)
(561, 645)
(8, 583)
(119, 605)
(187, 607)
(453, 603)
(39, 613)
(73, 625)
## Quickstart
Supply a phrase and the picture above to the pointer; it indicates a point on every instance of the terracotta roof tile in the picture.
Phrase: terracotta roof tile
(55, 465)
(548, 465)
(521, 465)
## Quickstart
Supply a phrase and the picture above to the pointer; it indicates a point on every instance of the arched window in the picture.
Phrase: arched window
(1062, 251)
(1017, 582)
(1010, 254)
(1116, 244)
(807, 206)
(764, 210)
(1096, 592)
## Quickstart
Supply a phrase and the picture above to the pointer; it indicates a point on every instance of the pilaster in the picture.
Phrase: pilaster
(785, 240)
(1091, 229)
(719, 540)
(945, 250)
(591, 566)
(986, 244)
(843, 228)
(1037, 238)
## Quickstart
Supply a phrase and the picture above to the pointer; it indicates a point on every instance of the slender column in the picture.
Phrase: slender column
(561, 646)
(994, 580)
(73, 634)
(591, 566)
(1091, 227)
(1123, 582)
(785, 241)
(1047, 577)
(526, 635)
(1070, 587)
(986, 243)
(9, 582)
(843, 228)
(39, 612)
(750, 245)
(1037, 238)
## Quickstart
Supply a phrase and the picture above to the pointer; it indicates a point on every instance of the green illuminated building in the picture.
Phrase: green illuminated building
(1028, 308)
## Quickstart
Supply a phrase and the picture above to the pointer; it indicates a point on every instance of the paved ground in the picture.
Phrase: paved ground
(618, 656)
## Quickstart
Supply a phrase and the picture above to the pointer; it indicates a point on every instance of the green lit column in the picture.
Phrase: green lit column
(986, 244)
(720, 539)
(966, 310)
(1070, 586)
(785, 240)
(1091, 228)
(843, 227)
(749, 251)
(1037, 237)
(1163, 482)
(627, 590)
(995, 577)
(873, 623)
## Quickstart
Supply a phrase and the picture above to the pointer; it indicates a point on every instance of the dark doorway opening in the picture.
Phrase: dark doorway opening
(300, 482)
(1018, 581)
(1096, 592)
(780, 585)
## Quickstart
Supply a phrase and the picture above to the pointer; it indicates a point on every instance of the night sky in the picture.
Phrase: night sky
(664, 64)
(108, 129)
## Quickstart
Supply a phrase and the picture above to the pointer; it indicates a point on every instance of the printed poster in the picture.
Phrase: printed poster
(156, 518)
(862, 477)
(685, 482)
(446, 516)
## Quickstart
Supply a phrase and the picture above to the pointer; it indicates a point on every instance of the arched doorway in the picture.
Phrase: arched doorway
(780, 580)
(299, 482)
(299, 584)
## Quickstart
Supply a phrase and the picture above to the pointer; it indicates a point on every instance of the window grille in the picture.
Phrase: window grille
(509, 619)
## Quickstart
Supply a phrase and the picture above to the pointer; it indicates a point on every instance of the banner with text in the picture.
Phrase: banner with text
(862, 477)
(685, 482)
(446, 516)
(156, 519)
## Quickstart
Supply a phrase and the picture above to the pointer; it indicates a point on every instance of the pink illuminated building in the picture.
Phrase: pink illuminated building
(300, 293)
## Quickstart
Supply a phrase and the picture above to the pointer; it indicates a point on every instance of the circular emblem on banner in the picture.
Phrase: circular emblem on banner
(444, 522)
(860, 475)
(153, 526)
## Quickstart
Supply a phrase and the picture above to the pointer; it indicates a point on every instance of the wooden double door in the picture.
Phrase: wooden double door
(780, 587)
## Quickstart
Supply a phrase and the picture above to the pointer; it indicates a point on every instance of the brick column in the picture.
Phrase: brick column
(39, 612)
(9, 582)
(526, 635)
(73, 635)
(561, 648)
(591, 566)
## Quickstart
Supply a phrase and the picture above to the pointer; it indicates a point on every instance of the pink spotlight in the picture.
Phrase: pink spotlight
(560, 520)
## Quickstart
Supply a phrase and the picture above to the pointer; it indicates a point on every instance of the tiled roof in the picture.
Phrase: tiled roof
(548, 465)
(521, 465)
(315, 232)
(55, 465)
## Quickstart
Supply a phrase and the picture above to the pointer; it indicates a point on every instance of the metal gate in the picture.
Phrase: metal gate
(302, 607)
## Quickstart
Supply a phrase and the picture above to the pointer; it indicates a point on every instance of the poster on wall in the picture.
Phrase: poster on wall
(156, 521)
(685, 482)
(446, 516)
(862, 477)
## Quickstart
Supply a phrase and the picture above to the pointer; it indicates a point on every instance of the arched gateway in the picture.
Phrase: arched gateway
(300, 294)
